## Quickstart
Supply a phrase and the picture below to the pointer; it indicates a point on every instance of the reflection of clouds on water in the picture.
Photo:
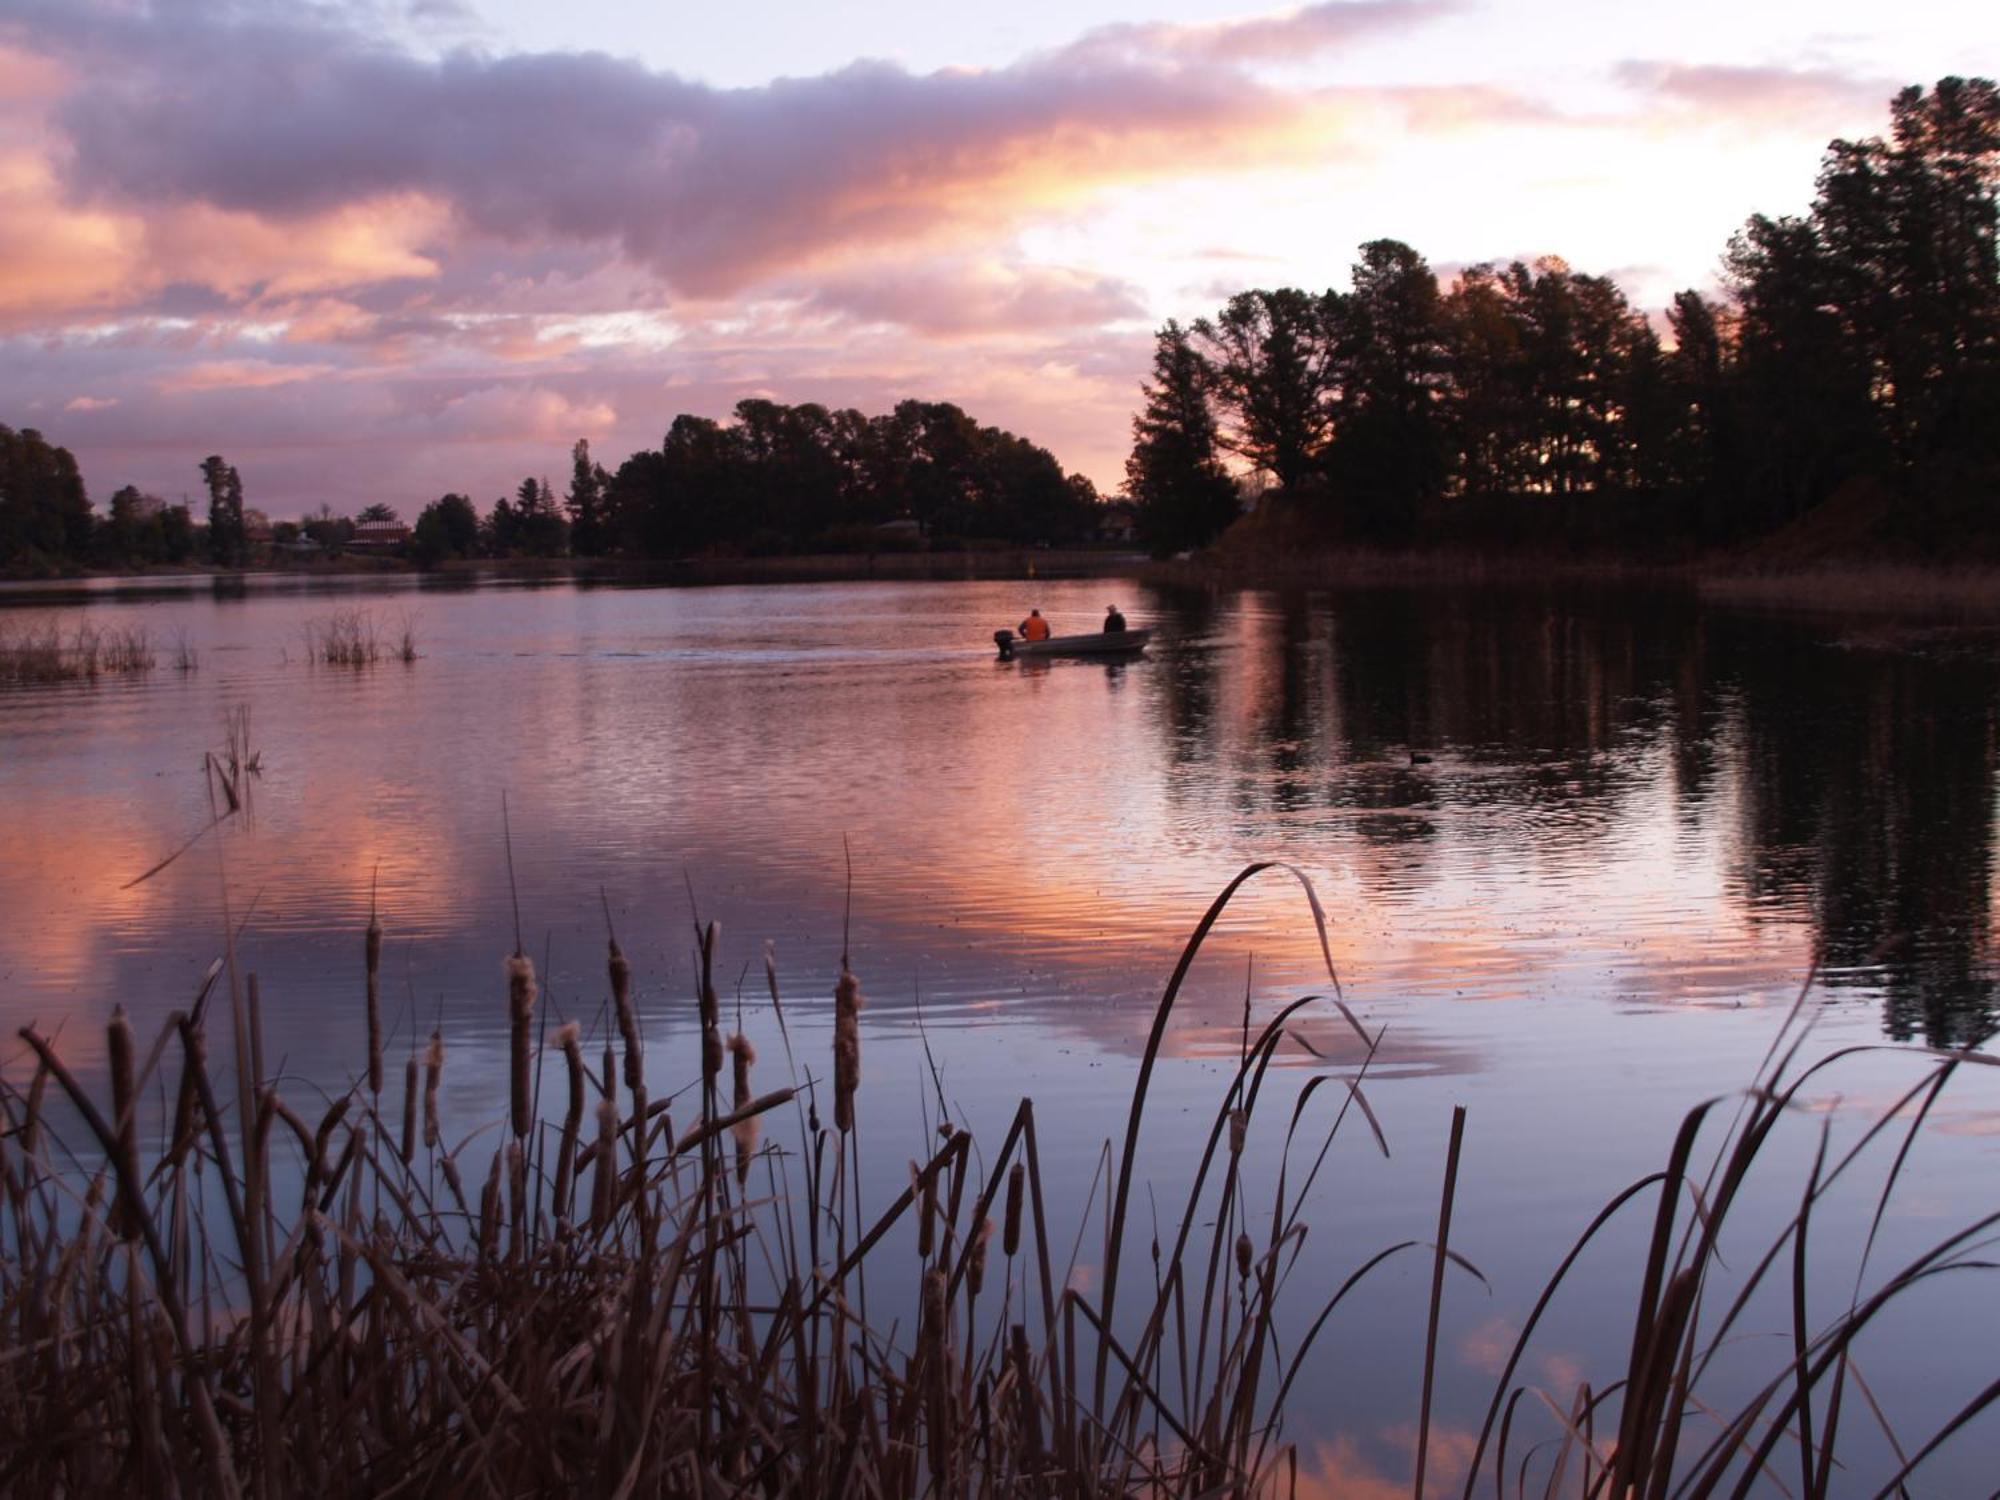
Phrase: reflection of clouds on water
(1618, 799)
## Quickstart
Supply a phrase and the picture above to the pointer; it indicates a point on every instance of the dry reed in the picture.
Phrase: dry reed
(41, 651)
(261, 1305)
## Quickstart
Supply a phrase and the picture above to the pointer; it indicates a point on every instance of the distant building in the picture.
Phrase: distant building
(379, 537)
(1117, 521)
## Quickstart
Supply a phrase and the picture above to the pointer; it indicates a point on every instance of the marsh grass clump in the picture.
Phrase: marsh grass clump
(345, 638)
(207, 1288)
(41, 651)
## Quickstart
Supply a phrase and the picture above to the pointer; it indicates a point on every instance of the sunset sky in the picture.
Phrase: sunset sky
(389, 248)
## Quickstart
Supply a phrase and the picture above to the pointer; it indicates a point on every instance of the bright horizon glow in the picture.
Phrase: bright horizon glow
(424, 247)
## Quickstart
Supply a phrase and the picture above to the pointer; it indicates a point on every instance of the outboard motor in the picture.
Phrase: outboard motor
(1004, 639)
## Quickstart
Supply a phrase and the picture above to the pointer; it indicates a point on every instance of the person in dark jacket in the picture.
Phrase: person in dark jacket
(1113, 621)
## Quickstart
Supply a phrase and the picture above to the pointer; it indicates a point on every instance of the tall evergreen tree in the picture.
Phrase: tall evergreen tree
(1387, 453)
(228, 546)
(590, 531)
(1175, 474)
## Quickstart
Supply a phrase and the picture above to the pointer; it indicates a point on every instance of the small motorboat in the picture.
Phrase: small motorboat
(1094, 643)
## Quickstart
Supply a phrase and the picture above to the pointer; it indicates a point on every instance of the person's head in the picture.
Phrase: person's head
(1111, 609)
(1036, 613)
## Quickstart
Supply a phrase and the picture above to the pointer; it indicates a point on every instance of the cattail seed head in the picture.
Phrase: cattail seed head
(847, 1003)
(1243, 1252)
(1010, 1237)
(1239, 1128)
(521, 1017)
(746, 1131)
(711, 1054)
(934, 1318)
(926, 1191)
(628, 1020)
(711, 1007)
(410, 1086)
(118, 1039)
(433, 1074)
(604, 1187)
(569, 1038)
(374, 945)
(975, 1264)
(517, 1195)
(489, 1210)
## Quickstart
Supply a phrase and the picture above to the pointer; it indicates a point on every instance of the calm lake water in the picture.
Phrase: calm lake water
(1578, 853)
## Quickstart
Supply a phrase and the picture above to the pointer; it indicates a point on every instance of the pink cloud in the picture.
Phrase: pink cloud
(253, 374)
(90, 403)
(960, 298)
(712, 189)
(1735, 95)
(520, 412)
(1281, 36)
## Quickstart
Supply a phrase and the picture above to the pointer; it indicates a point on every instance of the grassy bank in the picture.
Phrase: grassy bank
(231, 1290)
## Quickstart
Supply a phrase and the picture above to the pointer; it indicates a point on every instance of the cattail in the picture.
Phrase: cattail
(521, 1013)
(975, 1265)
(608, 1079)
(489, 1211)
(374, 1004)
(517, 1197)
(847, 1003)
(410, 1109)
(603, 1198)
(934, 1318)
(1243, 1254)
(433, 1074)
(1010, 1237)
(744, 1130)
(628, 1023)
(449, 1164)
(1239, 1127)
(925, 1189)
(711, 1007)
(567, 1038)
(125, 1211)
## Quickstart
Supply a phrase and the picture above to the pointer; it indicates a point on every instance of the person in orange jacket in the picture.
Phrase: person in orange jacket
(1034, 628)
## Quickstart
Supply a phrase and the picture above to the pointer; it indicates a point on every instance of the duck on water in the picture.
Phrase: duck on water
(1036, 638)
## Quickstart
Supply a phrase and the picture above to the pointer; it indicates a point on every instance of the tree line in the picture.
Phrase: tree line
(1858, 341)
(774, 479)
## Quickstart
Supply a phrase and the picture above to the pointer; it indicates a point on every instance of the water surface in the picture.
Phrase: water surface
(1578, 853)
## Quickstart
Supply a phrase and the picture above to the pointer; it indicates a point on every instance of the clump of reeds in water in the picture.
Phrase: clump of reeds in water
(256, 1294)
(41, 651)
(355, 638)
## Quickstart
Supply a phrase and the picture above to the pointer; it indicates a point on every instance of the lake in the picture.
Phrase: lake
(1579, 849)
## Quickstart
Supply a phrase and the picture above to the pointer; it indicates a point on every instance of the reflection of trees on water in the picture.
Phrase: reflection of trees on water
(1865, 780)
(1868, 780)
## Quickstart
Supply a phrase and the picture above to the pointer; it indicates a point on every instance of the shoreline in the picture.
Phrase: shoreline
(1936, 593)
(999, 563)
(1939, 593)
